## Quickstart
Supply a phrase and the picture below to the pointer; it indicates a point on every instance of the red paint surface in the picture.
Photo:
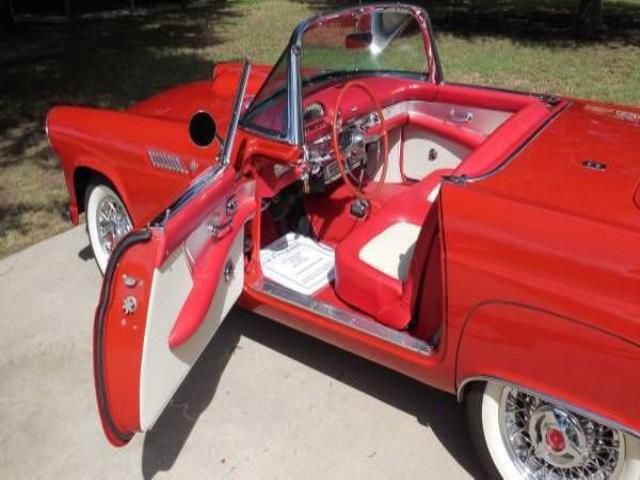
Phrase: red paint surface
(543, 269)
(123, 340)
(115, 144)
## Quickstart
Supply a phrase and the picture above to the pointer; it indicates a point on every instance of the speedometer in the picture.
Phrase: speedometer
(313, 111)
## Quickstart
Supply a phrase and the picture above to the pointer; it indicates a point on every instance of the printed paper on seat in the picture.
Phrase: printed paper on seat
(299, 263)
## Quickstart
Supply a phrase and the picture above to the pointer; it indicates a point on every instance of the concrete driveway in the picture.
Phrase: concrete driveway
(263, 402)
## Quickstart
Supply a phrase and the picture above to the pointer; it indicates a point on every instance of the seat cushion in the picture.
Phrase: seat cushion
(373, 262)
(390, 251)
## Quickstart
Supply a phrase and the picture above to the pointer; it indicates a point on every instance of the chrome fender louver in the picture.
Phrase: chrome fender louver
(167, 161)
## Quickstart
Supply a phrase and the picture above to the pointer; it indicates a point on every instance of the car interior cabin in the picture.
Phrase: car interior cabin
(360, 240)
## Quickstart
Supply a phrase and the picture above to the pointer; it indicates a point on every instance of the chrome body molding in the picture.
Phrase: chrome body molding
(206, 177)
(515, 153)
(344, 317)
(547, 398)
(167, 161)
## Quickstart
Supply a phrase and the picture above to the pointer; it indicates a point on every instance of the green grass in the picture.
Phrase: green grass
(115, 61)
(596, 71)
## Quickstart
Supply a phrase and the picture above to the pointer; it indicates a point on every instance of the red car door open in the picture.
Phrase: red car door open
(165, 293)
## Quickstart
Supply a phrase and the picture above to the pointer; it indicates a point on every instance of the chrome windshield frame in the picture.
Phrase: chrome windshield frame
(295, 133)
(227, 148)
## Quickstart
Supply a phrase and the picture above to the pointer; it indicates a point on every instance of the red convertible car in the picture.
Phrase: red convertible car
(482, 241)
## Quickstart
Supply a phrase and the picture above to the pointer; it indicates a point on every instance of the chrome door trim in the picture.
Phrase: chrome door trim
(547, 398)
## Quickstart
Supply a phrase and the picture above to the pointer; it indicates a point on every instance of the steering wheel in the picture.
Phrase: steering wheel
(356, 185)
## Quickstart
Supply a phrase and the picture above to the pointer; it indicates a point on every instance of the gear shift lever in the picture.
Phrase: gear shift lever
(360, 208)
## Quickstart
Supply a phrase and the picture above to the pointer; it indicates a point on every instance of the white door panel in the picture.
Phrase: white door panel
(417, 145)
(163, 369)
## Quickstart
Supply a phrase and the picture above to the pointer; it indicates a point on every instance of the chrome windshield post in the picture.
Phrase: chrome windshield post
(227, 148)
(213, 172)
(295, 95)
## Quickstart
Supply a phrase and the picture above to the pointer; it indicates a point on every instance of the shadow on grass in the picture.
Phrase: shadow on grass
(433, 409)
(546, 22)
(13, 216)
(104, 62)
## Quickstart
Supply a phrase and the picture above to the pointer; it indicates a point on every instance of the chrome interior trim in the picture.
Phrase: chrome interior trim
(201, 235)
(483, 121)
(547, 398)
(295, 133)
(349, 319)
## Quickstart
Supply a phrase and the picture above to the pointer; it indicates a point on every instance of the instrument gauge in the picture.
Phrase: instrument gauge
(314, 111)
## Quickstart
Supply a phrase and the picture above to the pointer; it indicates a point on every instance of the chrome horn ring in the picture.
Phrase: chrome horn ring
(546, 441)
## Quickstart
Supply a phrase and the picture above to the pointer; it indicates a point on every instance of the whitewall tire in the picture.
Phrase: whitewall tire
(520, 436)
(107, 221)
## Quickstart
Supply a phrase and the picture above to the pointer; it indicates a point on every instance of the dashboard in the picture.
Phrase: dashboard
(359, 147)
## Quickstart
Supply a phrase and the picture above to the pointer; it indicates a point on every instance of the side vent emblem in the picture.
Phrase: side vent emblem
(594, 165)
(167, 161)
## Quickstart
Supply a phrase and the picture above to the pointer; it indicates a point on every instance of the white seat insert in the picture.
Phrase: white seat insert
(391, 250)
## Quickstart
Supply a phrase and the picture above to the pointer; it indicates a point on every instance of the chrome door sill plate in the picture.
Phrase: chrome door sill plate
(344, 317)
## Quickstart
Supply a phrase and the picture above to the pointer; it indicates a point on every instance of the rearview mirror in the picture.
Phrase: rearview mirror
(202, 129)
(358, 40)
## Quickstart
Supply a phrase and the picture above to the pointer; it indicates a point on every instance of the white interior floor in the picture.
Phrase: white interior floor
(298, 263)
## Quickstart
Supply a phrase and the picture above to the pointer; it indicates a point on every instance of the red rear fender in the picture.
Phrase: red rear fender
(557, 356)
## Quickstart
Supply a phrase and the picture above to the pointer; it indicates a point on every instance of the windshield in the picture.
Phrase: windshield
(268, 111)
(352, 42)
(366, 41)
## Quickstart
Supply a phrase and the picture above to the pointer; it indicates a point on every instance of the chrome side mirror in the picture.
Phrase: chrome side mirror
(202, 129)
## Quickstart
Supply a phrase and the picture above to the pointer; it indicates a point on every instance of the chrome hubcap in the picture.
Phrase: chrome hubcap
(545, 441)
(113, 223)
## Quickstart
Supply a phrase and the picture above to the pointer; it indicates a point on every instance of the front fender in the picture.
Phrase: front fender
(120, 145)
(102, 167)
(556, 356)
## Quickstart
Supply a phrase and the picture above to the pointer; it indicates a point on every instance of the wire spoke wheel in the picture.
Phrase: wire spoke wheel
(113, 223)
(545, 441)
(520, 435)
(107, 222)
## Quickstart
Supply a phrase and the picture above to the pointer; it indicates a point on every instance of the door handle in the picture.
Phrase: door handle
(207, 273)
(462, 117)
(219, 229)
